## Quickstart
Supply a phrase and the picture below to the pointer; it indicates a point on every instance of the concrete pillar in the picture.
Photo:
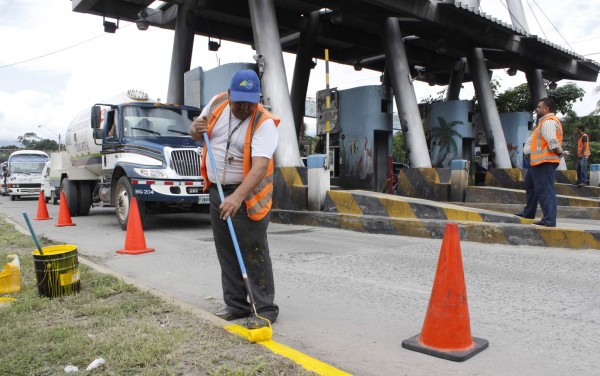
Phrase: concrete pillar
(404, 92)
(459, 179)
(489, 111)
(274, 81)
(517, 14)
(302, 68)
(318, 181)
(183, 44)
(456, 80)
(537, 89)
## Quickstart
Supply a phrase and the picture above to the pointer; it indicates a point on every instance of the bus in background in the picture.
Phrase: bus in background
(3, 168)
(24, 173)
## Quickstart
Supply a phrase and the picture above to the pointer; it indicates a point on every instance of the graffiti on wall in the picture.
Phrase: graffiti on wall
(513, 153)
(443, 142)
(359, 158)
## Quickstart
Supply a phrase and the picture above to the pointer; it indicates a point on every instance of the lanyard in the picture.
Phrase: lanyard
(230, 133)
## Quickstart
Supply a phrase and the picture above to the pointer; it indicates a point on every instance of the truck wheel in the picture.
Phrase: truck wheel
(70, 190)
(123, 195)
(12, 198)
(54, 196)
(85, 198)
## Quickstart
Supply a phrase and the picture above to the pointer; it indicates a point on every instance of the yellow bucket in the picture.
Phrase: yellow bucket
(10, 277)
(57, 270)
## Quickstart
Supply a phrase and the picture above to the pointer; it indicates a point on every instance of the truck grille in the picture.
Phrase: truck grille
(185, 162)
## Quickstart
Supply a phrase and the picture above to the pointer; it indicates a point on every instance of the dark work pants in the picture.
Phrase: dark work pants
(532, 199)
(581, 168)
(252, 239)
(543, 182)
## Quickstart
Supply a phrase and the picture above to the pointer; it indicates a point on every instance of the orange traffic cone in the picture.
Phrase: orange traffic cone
(446, 331)
(64, 216)
(135, 242)
(42, 211)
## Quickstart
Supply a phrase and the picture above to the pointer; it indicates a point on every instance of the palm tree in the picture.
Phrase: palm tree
(445, 134)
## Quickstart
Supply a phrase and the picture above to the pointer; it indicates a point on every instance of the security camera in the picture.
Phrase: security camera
(420, 69)
(142, 24)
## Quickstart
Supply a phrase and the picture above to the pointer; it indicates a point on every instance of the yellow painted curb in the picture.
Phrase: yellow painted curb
(304, 360)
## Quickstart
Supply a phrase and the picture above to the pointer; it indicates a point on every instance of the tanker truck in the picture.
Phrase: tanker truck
(131, 146)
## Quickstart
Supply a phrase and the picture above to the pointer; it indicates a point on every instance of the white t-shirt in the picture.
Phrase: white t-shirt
(264, 143)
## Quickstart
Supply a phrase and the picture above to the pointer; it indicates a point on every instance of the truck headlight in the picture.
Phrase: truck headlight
(151, 173)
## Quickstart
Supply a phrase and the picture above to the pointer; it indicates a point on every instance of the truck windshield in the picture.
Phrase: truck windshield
(27, 164)
(157, 121)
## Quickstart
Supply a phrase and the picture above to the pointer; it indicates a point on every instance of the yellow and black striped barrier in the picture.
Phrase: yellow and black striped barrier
(386, 214)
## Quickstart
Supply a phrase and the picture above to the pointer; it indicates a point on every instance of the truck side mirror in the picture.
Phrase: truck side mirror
(96, 115)
(98, 133)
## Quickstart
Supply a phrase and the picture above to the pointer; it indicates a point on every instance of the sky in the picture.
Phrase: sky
(55, 63)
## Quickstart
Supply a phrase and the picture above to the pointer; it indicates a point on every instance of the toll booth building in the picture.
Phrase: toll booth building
(360, 136)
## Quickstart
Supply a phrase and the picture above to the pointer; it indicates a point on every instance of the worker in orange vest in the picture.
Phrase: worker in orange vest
(243, 136)
(583, 152)
(544, 147)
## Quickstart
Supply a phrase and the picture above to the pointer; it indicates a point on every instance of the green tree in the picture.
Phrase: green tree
(398, 153)
(32, 141)
(439, 97)
(518, 99)
(591, 124)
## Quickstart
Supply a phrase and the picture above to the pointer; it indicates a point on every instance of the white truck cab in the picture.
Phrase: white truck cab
(50, 191)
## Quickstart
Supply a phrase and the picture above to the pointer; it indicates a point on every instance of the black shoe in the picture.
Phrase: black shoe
(229, 314)
(540, 223)
(523, 216)
(254, 322)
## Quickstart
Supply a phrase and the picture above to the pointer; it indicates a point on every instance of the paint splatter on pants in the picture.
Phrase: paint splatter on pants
(252, 239)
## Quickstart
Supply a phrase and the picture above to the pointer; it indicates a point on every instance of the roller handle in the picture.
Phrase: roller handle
(238, 253)
(35, 239)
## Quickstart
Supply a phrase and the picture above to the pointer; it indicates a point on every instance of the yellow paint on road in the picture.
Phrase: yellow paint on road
(304, 360)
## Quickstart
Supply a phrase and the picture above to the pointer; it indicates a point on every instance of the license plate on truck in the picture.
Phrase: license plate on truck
(203, 199)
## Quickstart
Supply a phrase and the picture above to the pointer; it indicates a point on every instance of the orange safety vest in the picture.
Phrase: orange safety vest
(540, 152)
(259, 201)
(583, 151)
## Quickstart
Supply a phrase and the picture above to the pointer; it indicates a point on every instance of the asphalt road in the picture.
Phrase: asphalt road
(350, 299)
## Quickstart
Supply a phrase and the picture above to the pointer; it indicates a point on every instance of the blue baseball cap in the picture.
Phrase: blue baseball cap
(245, 87)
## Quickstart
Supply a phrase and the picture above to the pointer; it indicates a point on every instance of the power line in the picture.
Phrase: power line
(585, 40)
(60, 50)
(536, 19)
(51, 53)
(544, 13)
